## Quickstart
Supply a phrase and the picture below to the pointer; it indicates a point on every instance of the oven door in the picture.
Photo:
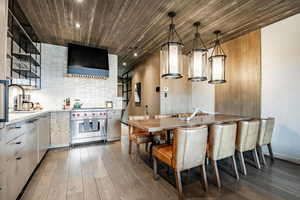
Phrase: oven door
(89, 128)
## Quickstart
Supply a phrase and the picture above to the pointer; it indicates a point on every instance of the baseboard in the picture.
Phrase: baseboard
(287, 158)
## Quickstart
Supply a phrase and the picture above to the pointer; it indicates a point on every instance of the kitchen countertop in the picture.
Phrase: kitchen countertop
(16, 117)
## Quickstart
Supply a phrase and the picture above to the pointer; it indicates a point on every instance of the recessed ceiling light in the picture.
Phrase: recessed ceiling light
(135, 54)
(79, 1)
(77, 25)
(124, 63)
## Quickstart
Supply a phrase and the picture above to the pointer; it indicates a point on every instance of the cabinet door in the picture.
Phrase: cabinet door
(2, 167)
(114, 125)
(43, 136)
(16, 165)
(60, 129)
(31, 147)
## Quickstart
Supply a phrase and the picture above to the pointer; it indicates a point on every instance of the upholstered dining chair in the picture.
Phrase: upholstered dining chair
(264, 137)
(180, 115)
(222, 145)
(136, 135)
(187, 151)
(246, 140)
(164, 116)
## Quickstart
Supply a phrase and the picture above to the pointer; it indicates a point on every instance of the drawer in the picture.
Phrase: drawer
(13, 131)
(15, 147)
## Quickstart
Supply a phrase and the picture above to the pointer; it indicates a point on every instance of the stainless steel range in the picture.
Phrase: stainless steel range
(88, 125)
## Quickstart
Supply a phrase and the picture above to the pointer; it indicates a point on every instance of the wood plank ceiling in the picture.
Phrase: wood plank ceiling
(120, 25)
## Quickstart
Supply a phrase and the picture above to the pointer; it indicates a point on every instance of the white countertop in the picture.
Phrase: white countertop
(15, 117)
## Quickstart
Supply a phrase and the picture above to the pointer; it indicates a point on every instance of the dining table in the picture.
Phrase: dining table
(168, 124)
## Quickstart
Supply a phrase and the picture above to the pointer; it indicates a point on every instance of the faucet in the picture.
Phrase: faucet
(19, 86)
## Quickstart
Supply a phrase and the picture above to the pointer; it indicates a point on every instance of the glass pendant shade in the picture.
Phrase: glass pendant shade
(171, 60)
(217, 63)
(197, 58)
(171, 53)
(197, 65)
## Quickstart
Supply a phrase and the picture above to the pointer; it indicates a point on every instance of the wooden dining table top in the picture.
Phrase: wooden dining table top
(154, 125)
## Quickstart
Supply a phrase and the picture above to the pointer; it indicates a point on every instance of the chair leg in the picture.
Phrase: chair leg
(137, 152)
(204, 177)
(235, 168)
(242, 162)
(130, 147)
(146, 146)
(271, 152)
(178, 184)
(215, 165)
(261, 155)
(255, 156)
(155, 175)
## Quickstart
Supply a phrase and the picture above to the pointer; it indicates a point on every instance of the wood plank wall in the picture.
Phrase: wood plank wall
(241, 94)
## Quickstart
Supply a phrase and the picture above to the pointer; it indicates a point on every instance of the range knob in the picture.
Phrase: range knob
(93, 114)
(85, 114)
(78, 115)
(73, 115)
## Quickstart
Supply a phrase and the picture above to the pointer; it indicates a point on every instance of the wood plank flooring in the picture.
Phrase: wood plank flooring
(106, 172)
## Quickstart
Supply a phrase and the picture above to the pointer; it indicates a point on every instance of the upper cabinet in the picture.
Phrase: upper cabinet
(23, 50)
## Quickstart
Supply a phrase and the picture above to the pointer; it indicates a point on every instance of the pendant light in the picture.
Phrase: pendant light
(217, 62)
(197, 58)
(171, 53)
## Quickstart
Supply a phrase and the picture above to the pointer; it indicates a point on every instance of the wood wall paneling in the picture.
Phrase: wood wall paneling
(147, 73)
(241, 94)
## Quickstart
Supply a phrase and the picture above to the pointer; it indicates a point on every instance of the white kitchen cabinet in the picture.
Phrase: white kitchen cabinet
(60, 129)
(114, 125)
(2, 168)
(43, 128)
(16, 162)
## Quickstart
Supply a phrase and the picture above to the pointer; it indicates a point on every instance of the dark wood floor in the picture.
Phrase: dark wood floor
(104, 172)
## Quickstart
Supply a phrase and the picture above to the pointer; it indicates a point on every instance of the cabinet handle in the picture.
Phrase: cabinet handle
(15, 127)
(19, 142)
(32, 121)
(18, 158)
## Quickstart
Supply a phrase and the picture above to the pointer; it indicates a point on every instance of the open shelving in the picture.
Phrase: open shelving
(24, 49)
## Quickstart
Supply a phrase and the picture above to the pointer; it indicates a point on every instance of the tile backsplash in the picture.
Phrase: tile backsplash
(56, 86)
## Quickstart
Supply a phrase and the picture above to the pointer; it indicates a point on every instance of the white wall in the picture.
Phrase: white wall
(280, 84)
(56, 87)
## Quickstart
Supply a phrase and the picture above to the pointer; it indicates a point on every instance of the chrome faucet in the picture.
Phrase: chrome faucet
(19, 86)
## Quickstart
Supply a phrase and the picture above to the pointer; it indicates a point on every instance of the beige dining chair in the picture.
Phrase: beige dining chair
(136, 135)
(187, 151)
(246, 140)
(164, 116)
(222, 139)
(265, 137)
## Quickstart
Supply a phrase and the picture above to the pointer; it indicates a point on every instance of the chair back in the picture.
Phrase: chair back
(184, 115)
(163, 116)
(136, 117)
(189, 147)
(265, 131)
(222, 139)
(247, 135)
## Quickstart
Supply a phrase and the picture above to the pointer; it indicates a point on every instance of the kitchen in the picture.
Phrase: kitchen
(160, 99)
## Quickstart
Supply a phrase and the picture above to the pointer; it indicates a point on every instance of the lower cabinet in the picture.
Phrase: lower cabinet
(114, 125)
(2, 168)
(23, 146)
(60, 129)
(43, 127)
